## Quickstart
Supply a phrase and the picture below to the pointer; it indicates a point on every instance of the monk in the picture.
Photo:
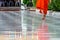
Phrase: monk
(42, 5)
(43, 33)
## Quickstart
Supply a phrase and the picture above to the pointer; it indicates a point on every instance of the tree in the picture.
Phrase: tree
(55, 5)
(25, 1)
(34, 3)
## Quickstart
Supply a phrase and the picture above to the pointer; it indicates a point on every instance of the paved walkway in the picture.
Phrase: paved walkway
(12, 22)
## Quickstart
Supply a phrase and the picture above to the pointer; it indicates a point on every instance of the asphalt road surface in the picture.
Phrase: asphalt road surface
(28, 21)
(10, 21)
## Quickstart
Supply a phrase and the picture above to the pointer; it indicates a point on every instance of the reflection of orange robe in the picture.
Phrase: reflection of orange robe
(43, 33)
(42, 5)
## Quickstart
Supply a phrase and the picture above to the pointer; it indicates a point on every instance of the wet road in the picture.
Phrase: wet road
(10, 21)
(26, 21)
(32, 20)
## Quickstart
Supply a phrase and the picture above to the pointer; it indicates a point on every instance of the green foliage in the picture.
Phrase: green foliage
(55, 5)
(29, 3)
(25, 1)
(50, 5)
(34, 3)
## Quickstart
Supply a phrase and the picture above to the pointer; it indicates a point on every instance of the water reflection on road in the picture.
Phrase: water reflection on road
(15, 24)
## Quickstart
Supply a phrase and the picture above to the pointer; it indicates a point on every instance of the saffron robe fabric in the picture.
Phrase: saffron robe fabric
(42, 5)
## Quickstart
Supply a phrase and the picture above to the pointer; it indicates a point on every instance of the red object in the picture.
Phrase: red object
(42, 5)
(43, 32)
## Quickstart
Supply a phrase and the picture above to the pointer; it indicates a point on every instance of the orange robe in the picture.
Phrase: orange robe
(42, 5)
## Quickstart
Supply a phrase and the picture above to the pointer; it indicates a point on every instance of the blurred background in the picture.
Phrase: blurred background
(54, 5)
(10, 3)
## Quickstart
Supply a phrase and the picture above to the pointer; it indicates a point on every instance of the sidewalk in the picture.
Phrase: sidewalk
(9, 8)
